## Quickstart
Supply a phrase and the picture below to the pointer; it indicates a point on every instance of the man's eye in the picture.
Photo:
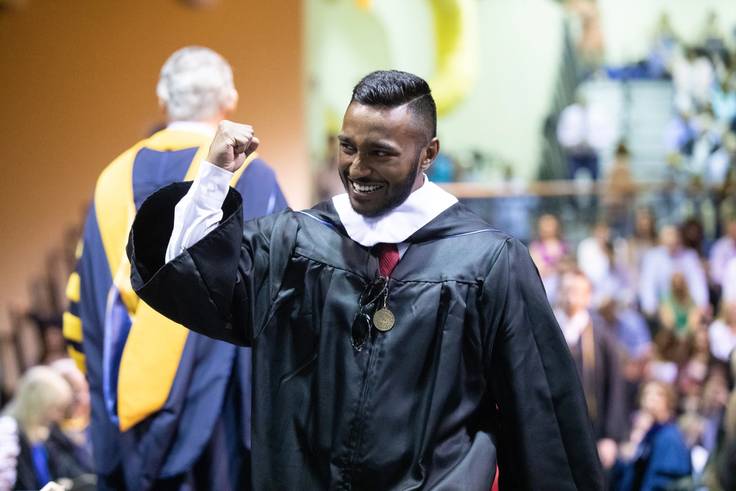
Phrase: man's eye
(347, 148)
(381, 153)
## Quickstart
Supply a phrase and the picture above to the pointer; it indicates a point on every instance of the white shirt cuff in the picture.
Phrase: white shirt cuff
(210, 187)
(200, 210)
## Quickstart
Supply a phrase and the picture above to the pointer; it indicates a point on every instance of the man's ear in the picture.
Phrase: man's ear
(230, 103)
(430, 153)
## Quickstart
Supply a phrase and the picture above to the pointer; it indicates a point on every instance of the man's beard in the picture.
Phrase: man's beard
(402, 193)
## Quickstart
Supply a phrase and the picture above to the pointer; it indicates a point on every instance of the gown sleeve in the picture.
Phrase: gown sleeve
(222, 285)
(544, 434)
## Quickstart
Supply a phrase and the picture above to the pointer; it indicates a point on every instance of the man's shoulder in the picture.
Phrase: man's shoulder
(161, 141)
(458, 223)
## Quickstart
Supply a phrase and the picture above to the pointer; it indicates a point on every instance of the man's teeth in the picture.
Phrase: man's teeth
(366, 188)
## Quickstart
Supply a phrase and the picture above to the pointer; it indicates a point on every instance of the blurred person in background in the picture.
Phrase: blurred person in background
(655, 455)
(679, 136)
(728, 292)
(661, 263)
(679, 319)
(548, 251)
(630, 329)
(711, 36)
(630, 250)
(593, 254)
(162, 421)
(706, 163)
(720, 474)
(693, 236)
(39, 405)
(723, 100)
(75, 425)
(619, 192)
(722, 251)
(597, 357)
(722, 333)
(583, 131)
(693, 76)
(9, 451)
(665, 43)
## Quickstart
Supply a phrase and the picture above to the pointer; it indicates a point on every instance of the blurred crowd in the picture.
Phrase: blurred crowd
(652, 310)
(647, 300)
(701, 138)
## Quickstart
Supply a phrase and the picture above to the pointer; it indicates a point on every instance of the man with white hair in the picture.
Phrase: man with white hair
(161, 395)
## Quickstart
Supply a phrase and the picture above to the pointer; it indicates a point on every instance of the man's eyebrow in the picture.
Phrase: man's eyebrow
(380, 145)
(384, 146)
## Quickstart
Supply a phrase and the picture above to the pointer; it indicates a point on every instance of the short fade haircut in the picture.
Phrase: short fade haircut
(393, 88)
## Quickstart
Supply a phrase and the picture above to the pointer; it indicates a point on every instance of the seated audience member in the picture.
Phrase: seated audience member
(9, 450)
(720, 475)
(661, 263)
(632, 333)
(713, 403)
(723, 250)
(594, 255)
(655, 455)
(75, 425)
(42, 399)
(548, 251)
(630, 251)
(679, 319)
(723, 100)
(692, 76)
(597, 357)
(729, 282)
(722, 333)
(628, 327)
(693, 235)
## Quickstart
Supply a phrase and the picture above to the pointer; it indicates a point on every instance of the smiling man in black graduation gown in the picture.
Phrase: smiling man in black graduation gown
(370, 373)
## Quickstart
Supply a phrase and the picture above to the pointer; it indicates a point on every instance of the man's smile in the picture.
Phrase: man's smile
(365, 188)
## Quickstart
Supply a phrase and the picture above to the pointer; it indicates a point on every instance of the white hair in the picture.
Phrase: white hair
(196, 84)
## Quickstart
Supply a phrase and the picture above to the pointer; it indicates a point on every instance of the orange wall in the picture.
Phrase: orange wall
(78, 87)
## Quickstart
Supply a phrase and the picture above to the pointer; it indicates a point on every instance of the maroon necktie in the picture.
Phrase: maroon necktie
(388, 258)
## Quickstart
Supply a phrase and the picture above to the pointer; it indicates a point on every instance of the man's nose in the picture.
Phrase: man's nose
(358, 169)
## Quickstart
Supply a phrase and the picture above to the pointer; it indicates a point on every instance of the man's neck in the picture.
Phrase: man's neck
(203, 127)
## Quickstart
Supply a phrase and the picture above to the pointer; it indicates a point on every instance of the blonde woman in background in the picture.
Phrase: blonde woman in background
(39, 405)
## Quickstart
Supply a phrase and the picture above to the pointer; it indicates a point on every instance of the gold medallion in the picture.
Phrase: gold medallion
(384, 319)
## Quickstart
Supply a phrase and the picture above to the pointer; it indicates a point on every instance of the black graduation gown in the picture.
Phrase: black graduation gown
(476, 367)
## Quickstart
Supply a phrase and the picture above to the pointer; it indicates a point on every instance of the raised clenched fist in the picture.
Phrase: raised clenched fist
(232, 144)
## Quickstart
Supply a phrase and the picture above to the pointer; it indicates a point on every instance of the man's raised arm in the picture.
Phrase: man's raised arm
(200, 210)
(189, 259)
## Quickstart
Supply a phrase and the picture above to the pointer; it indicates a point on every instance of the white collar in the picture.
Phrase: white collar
(421, 207)
(573, 327)
(192, 127)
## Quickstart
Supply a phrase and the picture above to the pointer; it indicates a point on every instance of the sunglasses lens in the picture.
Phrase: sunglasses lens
(374, 291)
(360, 330)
